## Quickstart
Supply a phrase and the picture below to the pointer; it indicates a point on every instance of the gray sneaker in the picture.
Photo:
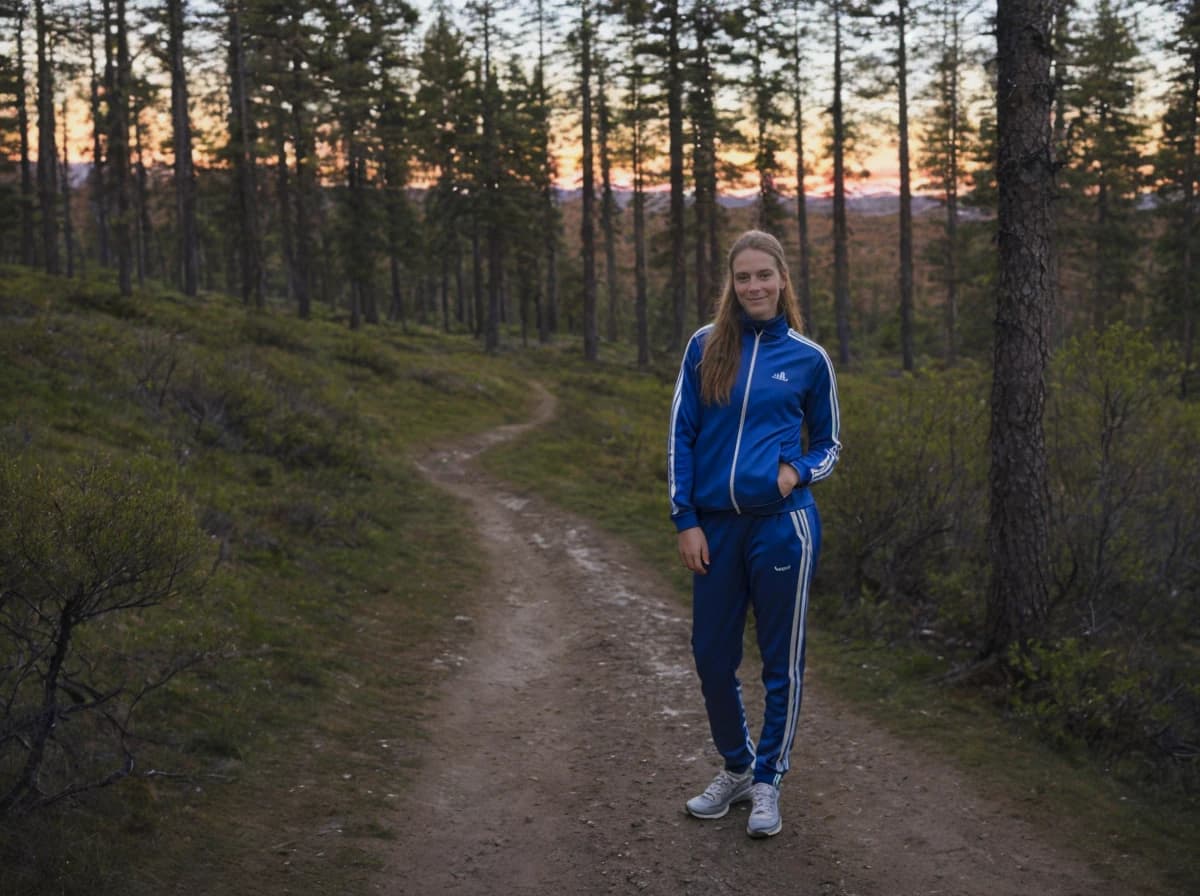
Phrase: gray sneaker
(725, 790)
(764, 814)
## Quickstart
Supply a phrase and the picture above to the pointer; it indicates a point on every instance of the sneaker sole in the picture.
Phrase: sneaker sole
(715, 815)
(762, 835)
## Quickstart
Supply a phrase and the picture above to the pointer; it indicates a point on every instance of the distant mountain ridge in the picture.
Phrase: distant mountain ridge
(874, 203)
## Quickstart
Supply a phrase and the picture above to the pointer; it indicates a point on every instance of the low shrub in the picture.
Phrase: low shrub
(84, 551)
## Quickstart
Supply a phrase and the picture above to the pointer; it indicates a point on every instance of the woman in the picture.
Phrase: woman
(739, 476)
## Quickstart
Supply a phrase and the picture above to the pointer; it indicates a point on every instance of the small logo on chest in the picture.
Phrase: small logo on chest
(783, 568)
(781, 376)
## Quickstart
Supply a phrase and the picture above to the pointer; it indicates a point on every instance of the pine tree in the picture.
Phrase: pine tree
(608, 203)
(26, 195)
(47, 167)
(1104, 156)
(670, 18)
(710, 29)
(490, 204)
(1018, 525)
(799, 38)
(181, 144)
(639, 110)
(763, 49)
(1177, 172)
(945, 146)
(587, 223)
(549, 217)
(444, 111)
(242, 150)
(839, 143)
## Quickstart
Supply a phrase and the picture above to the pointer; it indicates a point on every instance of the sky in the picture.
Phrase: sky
(879, 158)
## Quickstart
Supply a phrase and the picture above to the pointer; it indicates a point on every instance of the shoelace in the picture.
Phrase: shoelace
(763, 801)
(721, 784)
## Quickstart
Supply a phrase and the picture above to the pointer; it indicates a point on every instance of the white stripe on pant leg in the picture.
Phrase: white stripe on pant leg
(795, 684)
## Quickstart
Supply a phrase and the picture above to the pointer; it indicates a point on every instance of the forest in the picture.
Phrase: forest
(1014, 311)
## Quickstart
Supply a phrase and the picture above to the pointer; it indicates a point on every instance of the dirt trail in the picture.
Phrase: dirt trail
(571, 731)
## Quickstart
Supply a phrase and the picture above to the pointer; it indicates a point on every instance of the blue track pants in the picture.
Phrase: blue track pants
(764, 562)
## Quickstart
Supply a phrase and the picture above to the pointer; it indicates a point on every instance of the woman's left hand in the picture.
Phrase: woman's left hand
(788, 479)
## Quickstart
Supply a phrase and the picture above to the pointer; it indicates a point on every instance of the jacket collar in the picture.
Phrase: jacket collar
(776, 326)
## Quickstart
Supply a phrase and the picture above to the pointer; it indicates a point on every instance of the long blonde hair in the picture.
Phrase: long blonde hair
(723, 350)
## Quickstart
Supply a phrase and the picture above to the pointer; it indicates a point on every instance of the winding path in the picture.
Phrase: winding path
(570, 731)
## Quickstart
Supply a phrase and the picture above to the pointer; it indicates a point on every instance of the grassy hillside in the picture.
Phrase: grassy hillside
(334, 582)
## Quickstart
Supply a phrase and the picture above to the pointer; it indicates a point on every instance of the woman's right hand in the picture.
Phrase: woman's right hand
(693, 550)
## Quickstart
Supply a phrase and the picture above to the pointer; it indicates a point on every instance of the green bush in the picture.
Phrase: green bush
(85, 552)
(1122, 674)
(906, 505)
(1117, 669)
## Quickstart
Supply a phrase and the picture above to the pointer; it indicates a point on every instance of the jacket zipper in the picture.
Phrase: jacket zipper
(742, 422)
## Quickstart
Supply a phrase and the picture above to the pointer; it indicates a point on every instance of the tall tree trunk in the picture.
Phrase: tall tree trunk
(608, 202)
(444, 292)
(951, 92)
(118, 144)
(302, 280)
(1191, 169)
(548, 286)
(141, 203)
(243, 141)
(906, 235)
(491, 167)
(100, 127)
(841, 241)
(674, 88)
(396, 312)
(587, 220)
(640, 299)
(181, 140)
(1019, 510)
(461, 308)
(68, 228)
(28, 229)
(47, 169)
(477, 276)
(704, 156)
(283, 191)
(804, 274)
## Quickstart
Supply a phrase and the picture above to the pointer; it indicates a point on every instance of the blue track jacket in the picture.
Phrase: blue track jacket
(726, 457)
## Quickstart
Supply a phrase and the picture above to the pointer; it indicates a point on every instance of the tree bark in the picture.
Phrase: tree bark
(587, 220)
(841, 241)
(118, 142)
(906, 235)
(301, 281)
(243, 139)
(804, 273)
(100, 128)
(674, 89)
(1019, 507)
(1191, 170)
(608, 203)
(704, 156)
(47, 168)
(28, 229)
(181, 138)
(68, 228)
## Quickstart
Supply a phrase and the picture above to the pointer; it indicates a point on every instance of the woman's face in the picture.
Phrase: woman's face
(757, 284)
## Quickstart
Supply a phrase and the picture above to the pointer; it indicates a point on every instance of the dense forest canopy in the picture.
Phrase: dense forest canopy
(557, 166)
